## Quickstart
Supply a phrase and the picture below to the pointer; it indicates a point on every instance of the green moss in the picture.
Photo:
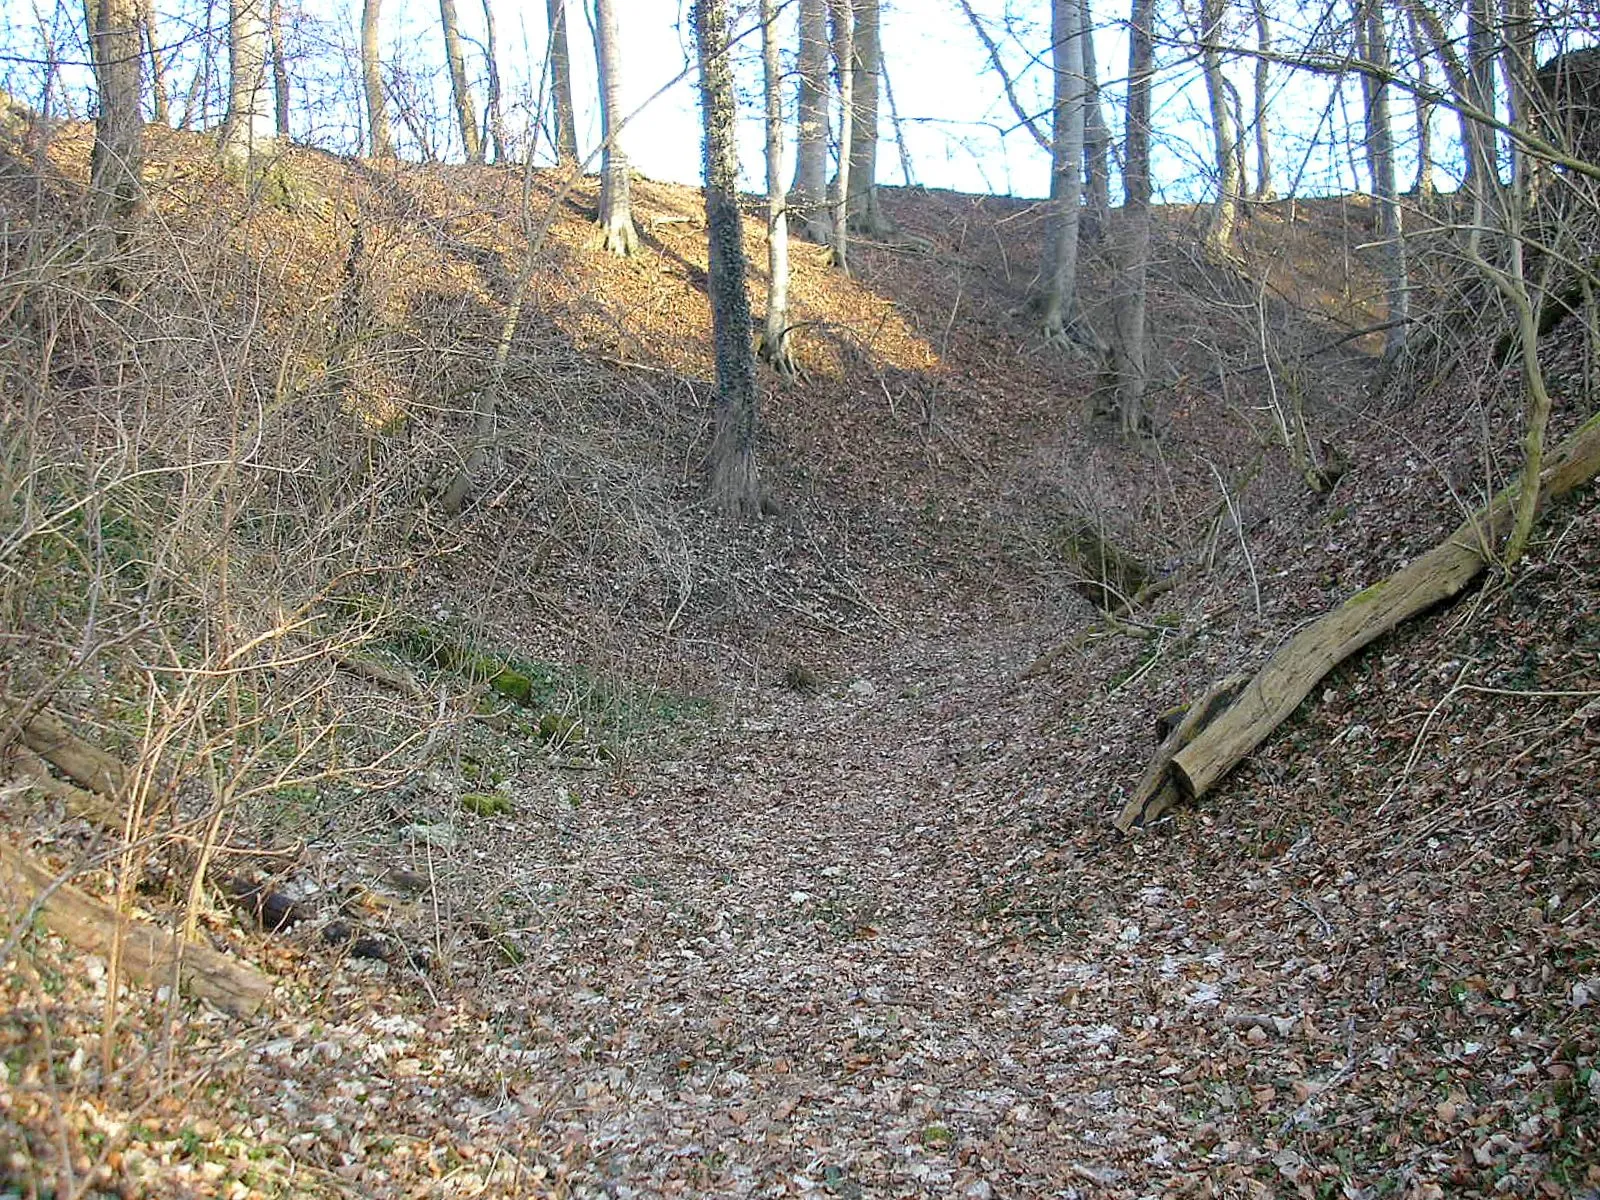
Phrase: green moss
(487, 804)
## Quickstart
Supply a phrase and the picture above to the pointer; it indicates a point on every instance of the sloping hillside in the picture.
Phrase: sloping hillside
(595, 845)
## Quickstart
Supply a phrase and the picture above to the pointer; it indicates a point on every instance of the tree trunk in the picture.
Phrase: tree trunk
(150, 26)
(246, 133)
(1096, 136)
(807, 194)
(1380, 144)
(775, 347)
(118, 154)
(844, 58)
(1128, 362)
(378, 140)
(1225, 212)
(460, 90)
(1057, 301)
(494, 115)
(1264, 189)
(734, 485)
(866, 214)
(1423, 108)
(566, 121)
(280, 68)
(616, 234)
(1482, 142)
(1440, 574)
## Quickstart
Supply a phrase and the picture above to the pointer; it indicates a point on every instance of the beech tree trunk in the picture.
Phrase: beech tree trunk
(150, 27)
(379, 142)
(866, 214)
(808, 193)
(844, 57)
(1096, 136)
(1057, 301)
(1225, 212)
(774, 346)
(1264, 189)
(616, 234)
(734, 484)
(566, 122)
(118, 155)
(460, 91)
(280, 69)
(247, 132)
(1128, 344)
(494, 114)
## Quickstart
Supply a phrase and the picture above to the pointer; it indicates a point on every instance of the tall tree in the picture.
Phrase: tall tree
(617, 234)
(1225, 212)
(280, 68)
(807, 195)
(460, 90)
(735, 487)
(775, 348)
(149, 27)
(1423, 108)
(1380, 140)
(247, 132)
(118, 155)
(1057, 298)
(566, 122)
(1264, 189)
(1128, 344)
(494, 110)
(378, 140)
(1096, 136)
(843, 17)
(866, 212)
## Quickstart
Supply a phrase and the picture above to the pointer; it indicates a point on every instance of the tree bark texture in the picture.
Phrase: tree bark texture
(118, 155)
(1225, 212)
(808, 194)
(460, 89)
(1264, 189)
(494, 114)
(617, 234)
(734, 485)
(1058, 298)
(1128, 343)
(1380, 142)
(280, 69)
(1096, 136)
(379, 143)
(775, 347)
(842, 15)
(866, 213)
(149, 25)
(566, 121)
(247, 132)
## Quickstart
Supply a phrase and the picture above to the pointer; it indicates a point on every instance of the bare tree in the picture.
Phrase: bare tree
(734, 484)
(1096, 137)
(842, 16)
(460, 90)
(494, 110)
(378, 140)
(1057, 298)
(280, 68)
(1129, 369)
(1264, 189)
(807, 195)
(866, 212)
(247, 132)
(774, 345)
(566, 122)
(617, 234)
(118, 154)
(149, 26)
(1225, 212)
(1380, 147)
(1422, 106)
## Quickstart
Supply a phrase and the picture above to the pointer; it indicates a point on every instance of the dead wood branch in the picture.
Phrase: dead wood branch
(1157, 791)
(88, 766)
(148, 953)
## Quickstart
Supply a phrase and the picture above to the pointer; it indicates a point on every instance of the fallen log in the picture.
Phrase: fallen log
(34, 772)
(147, 951)
(1300, 664)
(87, 765)
(1157, 790)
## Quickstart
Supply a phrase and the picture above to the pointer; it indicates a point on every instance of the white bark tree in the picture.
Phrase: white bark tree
(808, 193)
(616, 234)
(247, 134)
(1225, 211)
(379, 143)
(1056, 300)
(775, 343)
(460, 89)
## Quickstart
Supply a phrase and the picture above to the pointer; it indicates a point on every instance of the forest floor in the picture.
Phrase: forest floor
(860, 927)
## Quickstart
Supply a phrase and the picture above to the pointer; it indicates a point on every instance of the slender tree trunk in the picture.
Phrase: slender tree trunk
(118, 155)
(494, 115)
(866, 213)
(566, 135)
(807, 194)
(1422, 108)
(906, 172)
(246, 134)
(617, 234)
(734, 484)
(1096, 136)
(1129, 346)
(844, 57)
(1057, 301)
(1264, 189)
(280, 68)
(150, 26)
(379, 142)
(775, 347)
(1380, 143)
(460, 90)
(1517, 65)
(1225, 212)
(1482, 142)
